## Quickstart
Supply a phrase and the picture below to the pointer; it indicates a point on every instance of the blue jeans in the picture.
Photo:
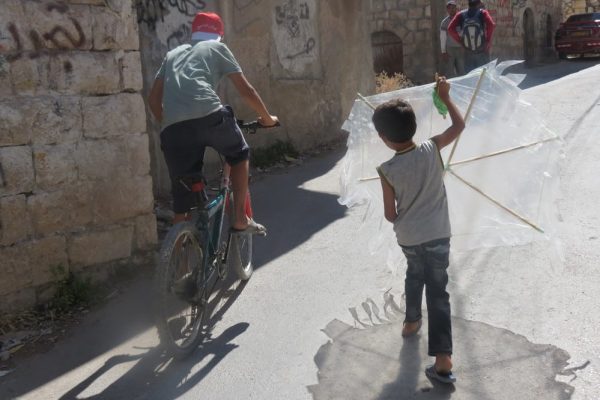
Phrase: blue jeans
(427, 267)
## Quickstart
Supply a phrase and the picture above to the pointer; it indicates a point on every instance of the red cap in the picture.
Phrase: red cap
(208, 22)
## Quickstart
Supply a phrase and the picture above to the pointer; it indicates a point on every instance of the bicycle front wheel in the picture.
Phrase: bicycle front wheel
(180, 309)
(240, 255)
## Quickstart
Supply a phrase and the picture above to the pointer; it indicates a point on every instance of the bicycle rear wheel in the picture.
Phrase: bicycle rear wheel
(180, 310)
(240, 255)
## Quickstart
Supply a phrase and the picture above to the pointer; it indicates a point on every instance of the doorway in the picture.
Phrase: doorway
(388, 53)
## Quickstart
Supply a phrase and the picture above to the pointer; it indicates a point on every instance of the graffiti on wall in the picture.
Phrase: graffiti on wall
(179, 36)
(295, 29)
(18, 42)
(150, 12)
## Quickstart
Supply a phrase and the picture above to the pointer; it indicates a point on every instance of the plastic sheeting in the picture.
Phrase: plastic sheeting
(501, 182)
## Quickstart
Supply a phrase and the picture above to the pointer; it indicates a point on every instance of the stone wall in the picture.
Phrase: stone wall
(580, 6)
(416, 23)
(75, 189)
(510, 34)
(306, 58)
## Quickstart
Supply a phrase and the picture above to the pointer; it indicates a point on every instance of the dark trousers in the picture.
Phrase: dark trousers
(475, 60)
(427, 268)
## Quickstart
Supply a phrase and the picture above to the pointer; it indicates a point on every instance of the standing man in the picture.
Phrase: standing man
(476, 28)
(453, 54)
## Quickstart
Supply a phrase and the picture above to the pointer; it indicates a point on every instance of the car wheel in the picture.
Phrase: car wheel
(562, 56)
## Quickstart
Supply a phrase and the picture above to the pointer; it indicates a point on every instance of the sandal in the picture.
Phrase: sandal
(253, 228)
(443, 377)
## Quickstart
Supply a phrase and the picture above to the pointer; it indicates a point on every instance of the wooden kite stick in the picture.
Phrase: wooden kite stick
(367, 102)
(496, 202)
(502, 151)
(468, 113)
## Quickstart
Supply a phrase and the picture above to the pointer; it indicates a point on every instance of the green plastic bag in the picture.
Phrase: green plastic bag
(439, 104)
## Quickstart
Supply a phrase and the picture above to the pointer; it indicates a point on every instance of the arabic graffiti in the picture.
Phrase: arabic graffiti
(310, 44)
(290, 14)
(295, 30)
(59, 36)
(151, 12)
(180, 36)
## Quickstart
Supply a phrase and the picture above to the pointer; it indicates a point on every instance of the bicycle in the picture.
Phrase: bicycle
(194, 256)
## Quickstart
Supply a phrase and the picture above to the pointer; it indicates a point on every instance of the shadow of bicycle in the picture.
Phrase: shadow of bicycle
(155, 374)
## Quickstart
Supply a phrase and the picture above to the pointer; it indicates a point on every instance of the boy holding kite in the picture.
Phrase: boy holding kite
(414, 199)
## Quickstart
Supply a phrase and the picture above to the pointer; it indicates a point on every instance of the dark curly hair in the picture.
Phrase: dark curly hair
(395, 120)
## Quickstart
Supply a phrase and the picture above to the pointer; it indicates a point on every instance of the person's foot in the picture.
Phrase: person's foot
(411, 328)
(443, 363)
(252, 228)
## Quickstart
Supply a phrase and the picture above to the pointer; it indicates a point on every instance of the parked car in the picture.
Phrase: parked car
(578, 35)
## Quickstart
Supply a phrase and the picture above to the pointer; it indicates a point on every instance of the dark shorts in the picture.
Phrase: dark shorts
(183, 145)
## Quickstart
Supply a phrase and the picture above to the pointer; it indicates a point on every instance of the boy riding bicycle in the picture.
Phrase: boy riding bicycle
(184, 100)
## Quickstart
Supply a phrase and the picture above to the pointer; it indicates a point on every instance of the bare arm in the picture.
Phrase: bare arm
(458, 124)
(252, 98)
(155, 99)
(389, 199)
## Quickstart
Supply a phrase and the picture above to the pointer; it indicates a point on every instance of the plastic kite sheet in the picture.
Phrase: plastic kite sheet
(501, 180)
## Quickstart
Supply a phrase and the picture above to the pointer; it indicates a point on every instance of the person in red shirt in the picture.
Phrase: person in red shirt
(473, 28)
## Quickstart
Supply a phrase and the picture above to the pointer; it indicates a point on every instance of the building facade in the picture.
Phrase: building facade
(524, 30)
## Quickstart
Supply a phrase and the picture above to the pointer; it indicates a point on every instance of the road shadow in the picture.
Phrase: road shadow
(153, 372)
(375, 362)
(292, 215)
(551, 72)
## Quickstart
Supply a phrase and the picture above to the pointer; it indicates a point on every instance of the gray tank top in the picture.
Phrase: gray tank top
(421, 203)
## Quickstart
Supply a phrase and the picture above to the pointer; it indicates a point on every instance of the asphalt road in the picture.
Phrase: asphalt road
(321, 317)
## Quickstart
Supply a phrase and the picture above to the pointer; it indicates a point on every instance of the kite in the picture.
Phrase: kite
(501, 174)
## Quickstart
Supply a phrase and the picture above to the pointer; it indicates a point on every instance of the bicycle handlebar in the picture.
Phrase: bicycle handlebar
(253, 126)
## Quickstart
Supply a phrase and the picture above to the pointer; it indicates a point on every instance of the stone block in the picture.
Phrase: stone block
(411, 25)
(91, 248)
(16, 169)
(146, 234)
(30, 76)
(54, 165)
(50, 213)
(90, 2)
(399, 14)
(56, 120)
(424, 23)
(131, 71)
(42, 120)
(101, 159)
(15, 268)
(47, 258)
(113, 115)
(56, 26)
(6, 89)
(415, 13)
(85, 73)
(138, 154)
(120, 199)
(14, 124)
(11, 15)
(114, 31)
(15, 221)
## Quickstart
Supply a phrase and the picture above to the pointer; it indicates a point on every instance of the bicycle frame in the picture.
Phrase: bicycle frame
(209, 218)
